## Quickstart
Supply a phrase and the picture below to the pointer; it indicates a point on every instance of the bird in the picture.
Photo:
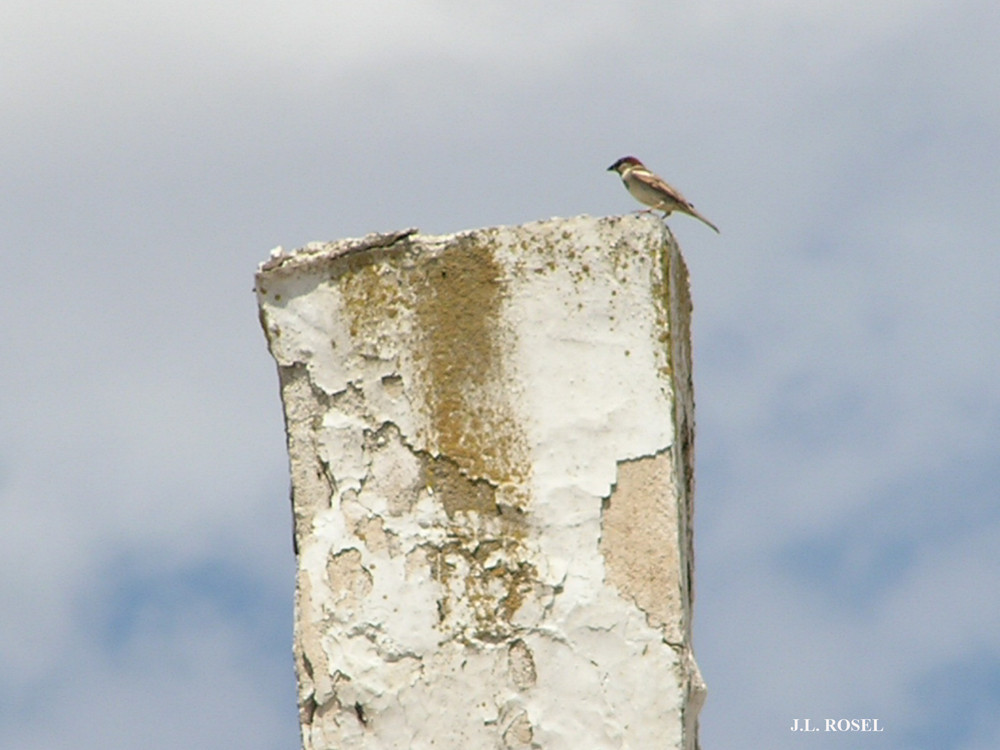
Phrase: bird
(652, 190)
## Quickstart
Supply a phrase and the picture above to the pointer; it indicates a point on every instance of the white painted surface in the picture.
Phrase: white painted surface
(458, 427)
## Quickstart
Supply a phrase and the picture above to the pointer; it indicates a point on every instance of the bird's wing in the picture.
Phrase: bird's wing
(658, 183)
(661, 185)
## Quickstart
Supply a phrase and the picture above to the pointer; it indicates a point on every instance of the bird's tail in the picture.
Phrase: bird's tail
(691, 210)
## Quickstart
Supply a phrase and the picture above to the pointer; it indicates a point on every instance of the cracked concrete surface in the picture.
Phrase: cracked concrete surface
(490, 441)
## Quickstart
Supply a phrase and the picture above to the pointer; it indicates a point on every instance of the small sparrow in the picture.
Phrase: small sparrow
(652, 190)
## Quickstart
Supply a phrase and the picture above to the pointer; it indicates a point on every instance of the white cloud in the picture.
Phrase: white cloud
(181, 684)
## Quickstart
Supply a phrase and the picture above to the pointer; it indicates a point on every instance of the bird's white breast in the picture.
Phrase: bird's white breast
(641, 191)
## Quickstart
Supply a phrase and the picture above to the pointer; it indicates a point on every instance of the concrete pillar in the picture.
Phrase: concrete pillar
(490, 440)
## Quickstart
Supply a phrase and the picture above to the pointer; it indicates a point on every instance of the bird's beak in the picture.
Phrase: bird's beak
(612, 167)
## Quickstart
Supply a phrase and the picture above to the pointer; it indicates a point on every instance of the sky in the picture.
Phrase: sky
(846, 330)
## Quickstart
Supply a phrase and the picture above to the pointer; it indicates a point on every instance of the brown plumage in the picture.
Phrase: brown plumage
(653, 191)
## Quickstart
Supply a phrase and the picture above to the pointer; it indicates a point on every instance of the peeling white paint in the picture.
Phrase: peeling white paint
(472, 400)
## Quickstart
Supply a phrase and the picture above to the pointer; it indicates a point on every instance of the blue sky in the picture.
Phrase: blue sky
(846, 330)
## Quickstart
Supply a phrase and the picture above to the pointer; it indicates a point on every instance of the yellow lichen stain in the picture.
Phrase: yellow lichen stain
(474, 453)
(481, 568)
(463, 356)
(518, 581)
(455, 491)
(661, 289)
(454, 297)
(373, 294)
(481, 593)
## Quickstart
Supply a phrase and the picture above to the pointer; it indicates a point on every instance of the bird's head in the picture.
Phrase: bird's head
(626, 162)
